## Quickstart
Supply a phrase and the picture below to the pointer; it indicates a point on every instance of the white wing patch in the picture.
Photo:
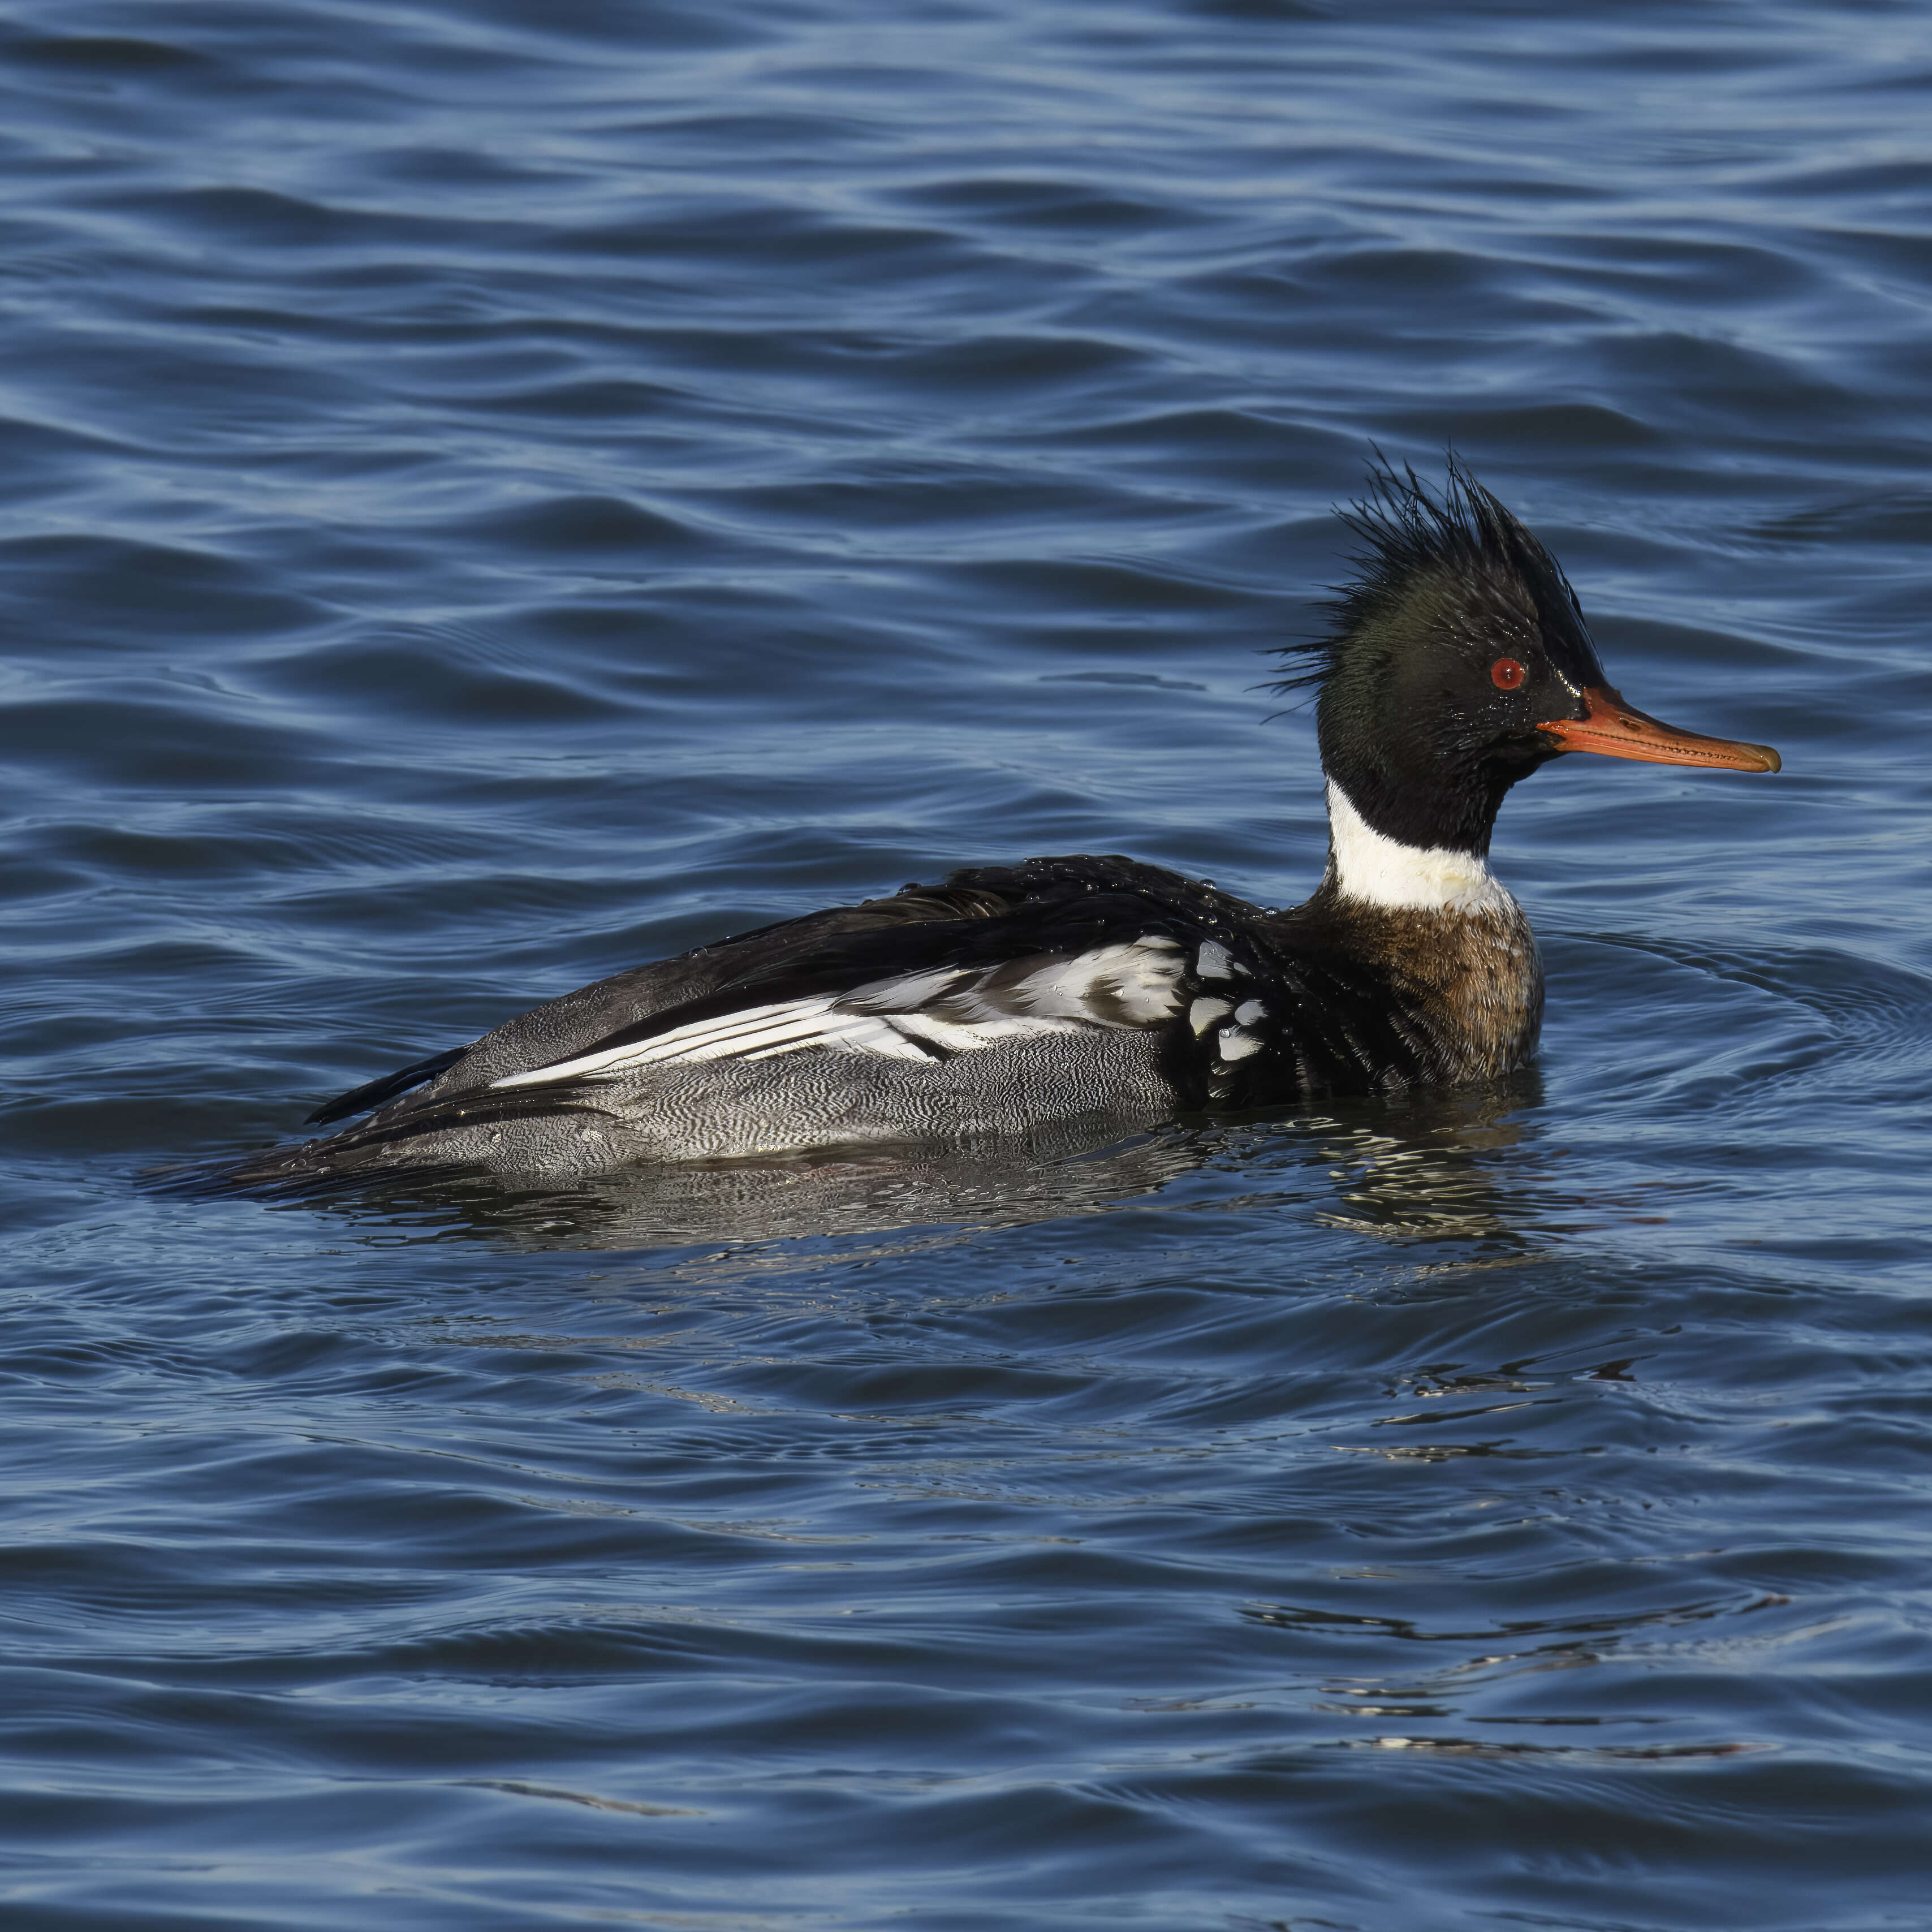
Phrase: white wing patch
(921, 1015)
(1205, 1011)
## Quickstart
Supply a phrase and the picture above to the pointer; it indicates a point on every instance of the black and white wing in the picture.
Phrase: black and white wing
(927, 1014)
(993, 956)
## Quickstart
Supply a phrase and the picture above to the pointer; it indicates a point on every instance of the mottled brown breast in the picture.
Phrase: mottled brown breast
(1473, 980)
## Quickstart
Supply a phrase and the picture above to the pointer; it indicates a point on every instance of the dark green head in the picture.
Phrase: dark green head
(1458, 661)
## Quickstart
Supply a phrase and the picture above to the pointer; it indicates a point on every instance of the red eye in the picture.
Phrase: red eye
(1506, 674)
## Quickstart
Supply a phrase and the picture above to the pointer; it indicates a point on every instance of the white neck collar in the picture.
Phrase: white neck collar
(1379, 872)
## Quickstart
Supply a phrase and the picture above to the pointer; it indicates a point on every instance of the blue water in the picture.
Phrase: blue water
(493, 493)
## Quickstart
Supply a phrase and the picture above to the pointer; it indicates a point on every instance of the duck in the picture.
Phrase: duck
(1096, 991)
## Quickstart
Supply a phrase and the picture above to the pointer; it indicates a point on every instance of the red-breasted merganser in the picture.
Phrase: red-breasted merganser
(1010, 997)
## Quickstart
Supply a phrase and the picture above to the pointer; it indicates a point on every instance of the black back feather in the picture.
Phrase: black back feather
(374, 1092)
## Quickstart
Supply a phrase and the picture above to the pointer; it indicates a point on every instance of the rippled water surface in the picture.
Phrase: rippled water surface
(493, 493)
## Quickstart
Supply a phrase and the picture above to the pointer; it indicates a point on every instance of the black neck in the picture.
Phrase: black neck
(1412, 794)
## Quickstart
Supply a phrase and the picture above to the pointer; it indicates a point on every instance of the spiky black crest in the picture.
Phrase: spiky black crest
(1407, 534)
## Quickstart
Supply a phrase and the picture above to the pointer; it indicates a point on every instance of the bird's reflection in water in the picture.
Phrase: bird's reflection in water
(829, 1193)
(1454, 1167)
(1422, 1168)
(1431, 1167)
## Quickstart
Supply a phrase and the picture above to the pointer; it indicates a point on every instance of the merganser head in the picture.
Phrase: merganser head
(1458, 663)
